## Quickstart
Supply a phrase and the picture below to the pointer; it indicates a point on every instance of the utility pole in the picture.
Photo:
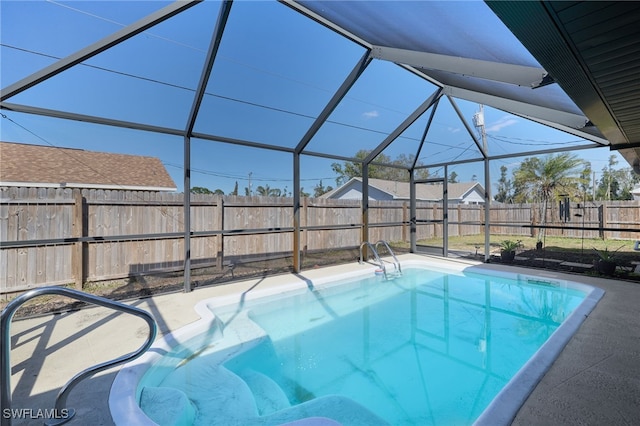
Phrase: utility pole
(478, 121)
(250, 173)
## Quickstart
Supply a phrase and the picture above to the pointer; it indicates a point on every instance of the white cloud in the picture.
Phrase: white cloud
(453, 129)
(370, 114)
(503, 122)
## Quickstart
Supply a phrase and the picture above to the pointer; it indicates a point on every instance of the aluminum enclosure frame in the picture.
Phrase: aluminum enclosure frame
(410, 60)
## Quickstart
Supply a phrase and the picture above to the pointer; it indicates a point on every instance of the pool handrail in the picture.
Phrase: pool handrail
(375, 256)
(396, 262)
(62, 413)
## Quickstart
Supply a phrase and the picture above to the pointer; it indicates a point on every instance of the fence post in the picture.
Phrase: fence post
(405, 219)
(80, 228)
(304, 222)
(602, 219)
(220, 212)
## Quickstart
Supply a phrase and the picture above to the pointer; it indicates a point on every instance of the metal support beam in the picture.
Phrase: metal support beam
(574, 121)
(516, 155)
(342, 91)
(404, 125)
(365, 205)
(296, 213)
(412, 213)
(487, 211)
(214, 45)
(445, 213)
(25, 109)
(519, 75)
(97, 47)
(223, 15)
(424, 135)
(576, 132)
(481, 148)
(187, 214)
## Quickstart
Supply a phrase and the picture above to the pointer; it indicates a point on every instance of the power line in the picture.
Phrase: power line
(242, 177)
(529, 142)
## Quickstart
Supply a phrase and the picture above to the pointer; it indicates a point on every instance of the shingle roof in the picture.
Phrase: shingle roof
(430, 192)
(38, 165)
(423, 192)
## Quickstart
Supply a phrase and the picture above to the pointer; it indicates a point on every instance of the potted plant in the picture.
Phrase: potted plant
(508, 250)
(606, 263)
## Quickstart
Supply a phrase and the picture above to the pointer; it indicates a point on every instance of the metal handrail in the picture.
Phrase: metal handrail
(62, 414)
(396, 263)
(375, 255)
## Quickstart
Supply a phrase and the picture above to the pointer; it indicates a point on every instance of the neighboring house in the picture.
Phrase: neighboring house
(53, 167)
(636, 192)
(379, 189)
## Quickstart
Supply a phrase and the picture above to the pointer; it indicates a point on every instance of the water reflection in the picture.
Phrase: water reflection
(424, 350)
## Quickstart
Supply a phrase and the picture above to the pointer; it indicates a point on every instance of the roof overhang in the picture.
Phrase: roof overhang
(591, 50)
(588, 48)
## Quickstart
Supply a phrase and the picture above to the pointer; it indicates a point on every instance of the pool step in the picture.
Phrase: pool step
(268, 395)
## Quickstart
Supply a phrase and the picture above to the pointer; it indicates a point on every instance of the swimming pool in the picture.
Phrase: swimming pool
(436, 347)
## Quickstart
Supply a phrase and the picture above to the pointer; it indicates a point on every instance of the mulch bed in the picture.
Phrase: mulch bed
(577, 262)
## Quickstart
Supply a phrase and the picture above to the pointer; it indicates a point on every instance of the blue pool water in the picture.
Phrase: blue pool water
(429, 348)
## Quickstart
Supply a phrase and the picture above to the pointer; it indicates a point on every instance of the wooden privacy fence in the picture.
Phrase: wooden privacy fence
(60, 236)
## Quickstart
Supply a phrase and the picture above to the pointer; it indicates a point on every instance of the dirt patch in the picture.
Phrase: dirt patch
(136, 287)
(140, 286)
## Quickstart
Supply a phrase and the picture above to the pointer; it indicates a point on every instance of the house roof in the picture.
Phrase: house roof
(400, 190)
(48, 166)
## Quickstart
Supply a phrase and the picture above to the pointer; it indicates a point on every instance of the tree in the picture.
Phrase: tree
(616, 184)
(543, 179)
(235, 189)
(585, 181)
(266, 191)
(612, 162)
(628, 180)
(453, 177)
(201, 190)
(320, 189)
(504, 187)
(351, 169)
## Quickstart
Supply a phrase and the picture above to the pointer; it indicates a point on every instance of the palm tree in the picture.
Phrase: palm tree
(267, 191)
(541, 179)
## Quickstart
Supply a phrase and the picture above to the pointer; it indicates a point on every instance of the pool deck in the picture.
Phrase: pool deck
(594, 381)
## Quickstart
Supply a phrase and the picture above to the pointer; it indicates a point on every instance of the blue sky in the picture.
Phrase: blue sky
(274, 73)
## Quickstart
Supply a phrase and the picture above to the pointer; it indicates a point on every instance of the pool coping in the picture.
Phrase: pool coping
(503, 408)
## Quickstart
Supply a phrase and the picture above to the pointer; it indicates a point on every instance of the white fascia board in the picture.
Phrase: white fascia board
(496, 71)
(573, 121)
(572, 131)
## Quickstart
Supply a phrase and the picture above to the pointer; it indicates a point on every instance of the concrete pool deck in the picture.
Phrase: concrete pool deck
(595, 380)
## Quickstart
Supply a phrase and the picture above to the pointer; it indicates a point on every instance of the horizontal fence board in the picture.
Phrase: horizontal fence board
(255, 227)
